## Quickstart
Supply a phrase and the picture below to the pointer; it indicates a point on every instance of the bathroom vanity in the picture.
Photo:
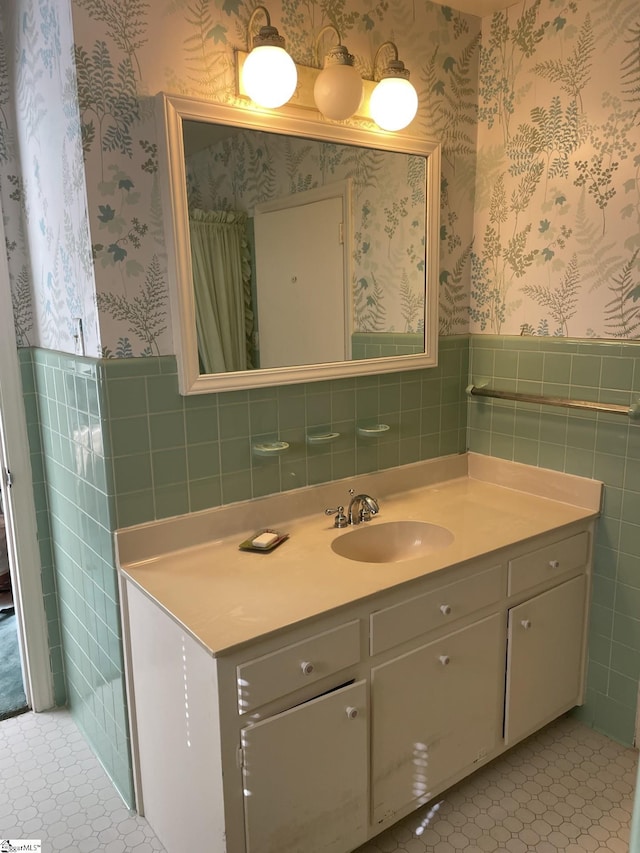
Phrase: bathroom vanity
(303, 701)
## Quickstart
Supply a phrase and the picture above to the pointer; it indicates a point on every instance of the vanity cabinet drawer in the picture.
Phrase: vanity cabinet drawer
(437, 608)
(293, 667)
(548, 562)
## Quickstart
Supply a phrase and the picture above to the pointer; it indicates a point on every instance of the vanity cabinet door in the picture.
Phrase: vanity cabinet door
(435, 711)
(545, 658)
(305, 776)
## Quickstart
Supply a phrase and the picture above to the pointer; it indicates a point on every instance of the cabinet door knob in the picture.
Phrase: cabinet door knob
(526, 624)
(444, 660)
(351, 713)
(307, 667)
(555, 564)
(445, 609)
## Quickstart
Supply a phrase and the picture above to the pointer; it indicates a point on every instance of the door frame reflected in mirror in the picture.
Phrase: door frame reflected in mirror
(331, 302)
(172, 110)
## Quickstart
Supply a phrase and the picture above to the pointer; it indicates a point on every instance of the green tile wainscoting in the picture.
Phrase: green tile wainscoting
(603, 446)
(114, 444)
(380, 344)
(43, 527)
(68, 416)
(173, 454)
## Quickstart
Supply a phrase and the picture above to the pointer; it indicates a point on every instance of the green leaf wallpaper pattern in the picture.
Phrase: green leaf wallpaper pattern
(5, 95)
(125, 22)
(561, 301)
(622, 312)
(558, 110)
(205, 49)
(191, 52)
(145, 313)
(574, 72)
(22, 314)
(107, 100)
(537, 108)
(41, 177)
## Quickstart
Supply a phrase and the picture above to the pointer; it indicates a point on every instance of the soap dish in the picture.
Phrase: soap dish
(248, 546)
(270, 448)
(322, 437)
(373, 431)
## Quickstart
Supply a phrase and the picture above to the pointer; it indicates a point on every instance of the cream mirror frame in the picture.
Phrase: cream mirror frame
(172, 111)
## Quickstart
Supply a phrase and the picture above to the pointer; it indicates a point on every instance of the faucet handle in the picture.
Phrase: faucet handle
(369, 506)
(341, 519)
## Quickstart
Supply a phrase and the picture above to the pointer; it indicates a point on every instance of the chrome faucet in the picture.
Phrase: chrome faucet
(361, 508)
(364, 506)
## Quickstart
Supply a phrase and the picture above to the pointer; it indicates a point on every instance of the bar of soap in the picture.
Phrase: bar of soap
(264, 540)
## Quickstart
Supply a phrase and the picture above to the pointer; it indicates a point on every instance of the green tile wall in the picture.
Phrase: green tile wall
(49, 587)
(603, 446)
(173, 454)
(79, 503)
(382, 344)
(114, 444)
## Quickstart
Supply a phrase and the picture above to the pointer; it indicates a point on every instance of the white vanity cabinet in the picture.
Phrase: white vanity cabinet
(264, 751)
(305, 775)
(546, 634)
(297, 666)
(310, 760)
(437, 694)
(174, 716)
(546, 644)
(436, 710)
(316, 737)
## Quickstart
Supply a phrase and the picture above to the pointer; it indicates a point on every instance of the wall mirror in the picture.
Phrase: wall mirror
(298, 249)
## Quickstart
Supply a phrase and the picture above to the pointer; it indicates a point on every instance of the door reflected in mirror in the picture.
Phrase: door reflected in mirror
(296, 253)
(301, 265)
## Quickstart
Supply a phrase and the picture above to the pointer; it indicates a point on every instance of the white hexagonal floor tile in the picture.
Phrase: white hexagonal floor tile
(55, 790)
(567, 789)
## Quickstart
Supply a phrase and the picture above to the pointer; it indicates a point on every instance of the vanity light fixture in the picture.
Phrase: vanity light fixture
(394, 101)
(269, 74)
(338, 88)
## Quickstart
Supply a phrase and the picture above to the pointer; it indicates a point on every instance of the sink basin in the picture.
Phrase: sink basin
(392, 541)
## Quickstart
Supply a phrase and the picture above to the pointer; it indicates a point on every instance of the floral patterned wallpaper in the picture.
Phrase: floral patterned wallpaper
(557, 225)
(42, 185)
(124, 52)
(543, 240)
(127, 50)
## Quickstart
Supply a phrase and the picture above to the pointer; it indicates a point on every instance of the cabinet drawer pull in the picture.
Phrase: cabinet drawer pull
(351, 713)
(526, 624)
(444, 660)
(555, 564)
(307, 667)
(445, 609)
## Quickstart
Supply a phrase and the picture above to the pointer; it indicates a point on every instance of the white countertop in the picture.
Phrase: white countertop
(227, 598)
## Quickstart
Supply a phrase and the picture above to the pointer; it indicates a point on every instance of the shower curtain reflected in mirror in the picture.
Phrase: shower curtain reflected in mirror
(220, 257)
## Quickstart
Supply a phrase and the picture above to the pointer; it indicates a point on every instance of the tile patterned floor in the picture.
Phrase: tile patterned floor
(53, 789)
(568, 789)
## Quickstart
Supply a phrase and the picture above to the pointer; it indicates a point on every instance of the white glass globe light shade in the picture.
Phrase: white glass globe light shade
(394, 103)
(269, 76)
(338, 91)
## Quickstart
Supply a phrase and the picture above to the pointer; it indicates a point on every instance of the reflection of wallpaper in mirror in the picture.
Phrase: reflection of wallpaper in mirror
(251, 167)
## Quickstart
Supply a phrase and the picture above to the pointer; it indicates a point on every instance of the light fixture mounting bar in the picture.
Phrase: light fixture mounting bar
(303, 96)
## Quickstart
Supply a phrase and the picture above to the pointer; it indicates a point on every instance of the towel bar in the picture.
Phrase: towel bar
(632, 411)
